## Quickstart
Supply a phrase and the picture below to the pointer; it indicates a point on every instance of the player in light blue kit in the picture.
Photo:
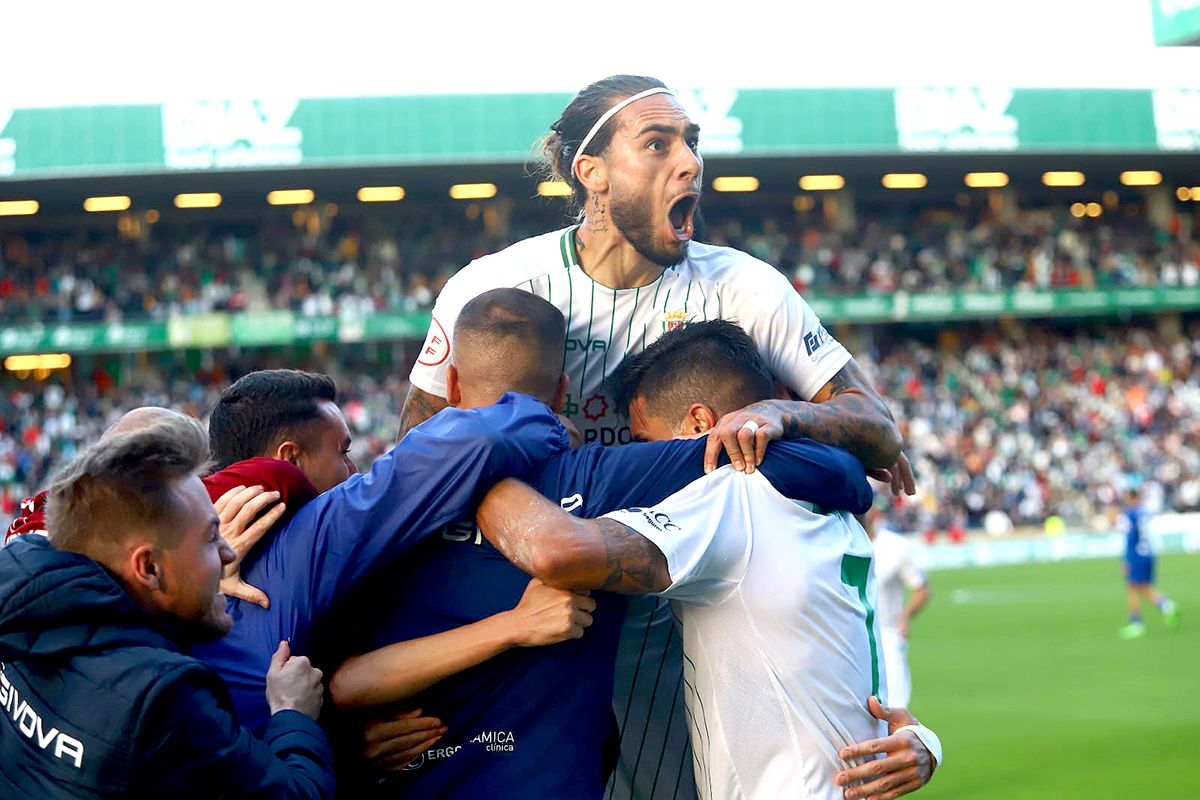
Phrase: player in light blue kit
(1139, 571)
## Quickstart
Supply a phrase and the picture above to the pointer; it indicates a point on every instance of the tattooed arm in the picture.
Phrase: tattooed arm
(419, 406)
(847, 412)
(568, 552)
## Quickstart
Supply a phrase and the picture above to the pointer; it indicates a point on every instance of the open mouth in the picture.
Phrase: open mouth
(680, 216)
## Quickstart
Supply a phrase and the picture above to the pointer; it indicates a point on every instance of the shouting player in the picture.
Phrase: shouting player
(627, 272)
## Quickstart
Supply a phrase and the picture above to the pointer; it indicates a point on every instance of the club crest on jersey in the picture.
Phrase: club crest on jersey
(673, 319)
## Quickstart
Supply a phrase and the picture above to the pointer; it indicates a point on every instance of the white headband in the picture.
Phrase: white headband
(607, 115)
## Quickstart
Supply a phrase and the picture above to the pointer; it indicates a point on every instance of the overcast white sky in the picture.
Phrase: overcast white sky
(124, 51)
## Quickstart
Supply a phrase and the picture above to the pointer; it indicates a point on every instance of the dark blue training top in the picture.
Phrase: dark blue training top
(367, 524)
(533, 722)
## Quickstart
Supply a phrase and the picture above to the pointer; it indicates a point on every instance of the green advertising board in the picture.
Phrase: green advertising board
(259, 329)
(1176, 22)
(208, 135)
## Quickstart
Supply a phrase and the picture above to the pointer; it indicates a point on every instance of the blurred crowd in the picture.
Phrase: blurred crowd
(316, 264)
(1005, 428)
(1012, 429)
(950, 251)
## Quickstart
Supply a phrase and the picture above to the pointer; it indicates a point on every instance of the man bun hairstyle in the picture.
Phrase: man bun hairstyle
(263, 408)
(123, 483)
(713, 362)
(560, 146)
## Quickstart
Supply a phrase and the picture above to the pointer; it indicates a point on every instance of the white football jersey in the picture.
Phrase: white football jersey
(780, 641)
(897, 570)
(605, 325)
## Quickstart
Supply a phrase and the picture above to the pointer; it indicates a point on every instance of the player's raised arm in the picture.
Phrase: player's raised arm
(432, 478)
(577, 554)
(847, 412)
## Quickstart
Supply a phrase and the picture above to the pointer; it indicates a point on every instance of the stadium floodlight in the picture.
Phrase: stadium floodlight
(904, 180)
(118, 202)
(1078, 209)
(985, 180)
(735, 183)
(1063, 178)
(32, 363)
(290, 197)
(1094, 209)
(198, 200)
(381, 194)
(1195, 193)
(18, 208)
(1141, 177)
(554, 189)
(1183, 193)
(821, 183)
(473, 191)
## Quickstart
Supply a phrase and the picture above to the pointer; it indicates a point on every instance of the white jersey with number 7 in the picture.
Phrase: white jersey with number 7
(780, 640)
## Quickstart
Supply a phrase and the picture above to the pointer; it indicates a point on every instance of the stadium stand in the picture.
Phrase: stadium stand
(357, 266)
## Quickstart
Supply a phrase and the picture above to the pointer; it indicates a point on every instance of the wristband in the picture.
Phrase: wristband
(928, 738)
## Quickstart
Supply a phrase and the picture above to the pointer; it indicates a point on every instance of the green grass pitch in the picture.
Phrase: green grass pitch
(1020, 672)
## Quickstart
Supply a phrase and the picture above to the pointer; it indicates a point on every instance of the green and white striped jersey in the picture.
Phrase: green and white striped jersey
(606, 325)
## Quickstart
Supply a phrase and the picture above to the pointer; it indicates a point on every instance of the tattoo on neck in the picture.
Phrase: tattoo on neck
(597, 218)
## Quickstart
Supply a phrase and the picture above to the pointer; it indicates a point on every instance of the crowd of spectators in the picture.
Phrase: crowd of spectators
(1012, 429)
(316, 264)
(1005, 428)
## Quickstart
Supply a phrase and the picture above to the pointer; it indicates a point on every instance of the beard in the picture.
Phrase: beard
(215, 623)
(634, 217)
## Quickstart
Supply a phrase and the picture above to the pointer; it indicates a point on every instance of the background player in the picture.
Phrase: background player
(897, 573)
(1139, 570)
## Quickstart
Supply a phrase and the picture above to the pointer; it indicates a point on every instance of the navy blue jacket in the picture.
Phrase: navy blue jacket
(99, 699)
(366, 526)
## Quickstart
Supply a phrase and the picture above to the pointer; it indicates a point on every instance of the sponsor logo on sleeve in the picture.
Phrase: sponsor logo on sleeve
(657, 519)
(815, 340)
(572, 503)
(437, 346)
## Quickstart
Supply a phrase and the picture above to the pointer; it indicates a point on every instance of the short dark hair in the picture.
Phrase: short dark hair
(261, 407)
(517, 337)
(713, 362)
(124, 482)
(566, 134)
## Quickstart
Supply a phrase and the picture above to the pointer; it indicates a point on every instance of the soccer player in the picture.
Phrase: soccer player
(444, 628)
(897, 572)
(775, 597)
(1139, 571)
(623, 275)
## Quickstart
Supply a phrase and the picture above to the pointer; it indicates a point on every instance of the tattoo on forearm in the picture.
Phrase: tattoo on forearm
(854, 417)
(634, 563)
(418, 407)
